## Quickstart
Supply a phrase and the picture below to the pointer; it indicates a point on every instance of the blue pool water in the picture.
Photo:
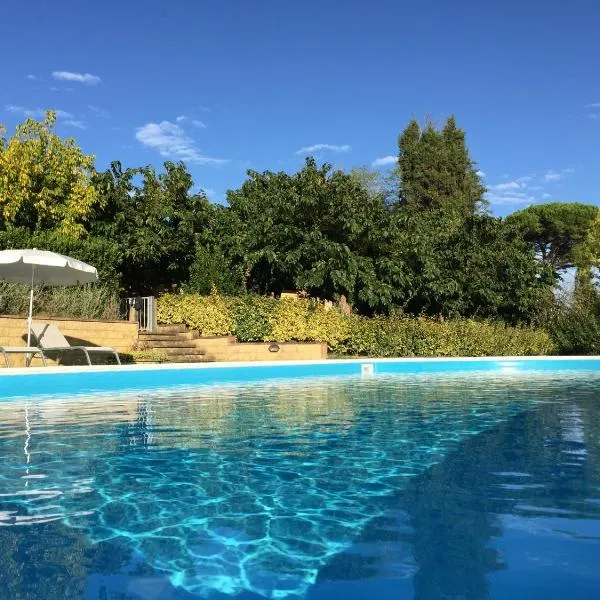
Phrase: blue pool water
(462, 486)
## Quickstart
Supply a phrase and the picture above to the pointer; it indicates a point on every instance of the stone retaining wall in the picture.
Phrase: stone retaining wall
(226, 348)
(120, 335)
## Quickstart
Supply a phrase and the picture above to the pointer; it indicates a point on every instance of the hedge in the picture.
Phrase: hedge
(257, 318)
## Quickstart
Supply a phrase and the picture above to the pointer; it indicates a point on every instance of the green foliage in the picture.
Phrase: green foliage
(556, 230)
(103, 253)
(255, 318)
(252, 317)
(150, 355)
(210, 315)
(155, 223)
(574, 322)
(315, 230)
(400, 335)
(211, 269)
(436, 171)
(45, 181)
(94, 301)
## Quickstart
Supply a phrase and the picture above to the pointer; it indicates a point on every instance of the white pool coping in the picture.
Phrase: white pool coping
(505, 360)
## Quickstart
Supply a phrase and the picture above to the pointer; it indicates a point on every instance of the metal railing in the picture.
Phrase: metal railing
(141, 309)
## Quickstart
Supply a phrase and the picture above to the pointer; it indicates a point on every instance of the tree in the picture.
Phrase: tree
(317, 230)
(460, 261)
(483, 269)
(556, 230)
(155, 223)
(45, 181)
(436, 172)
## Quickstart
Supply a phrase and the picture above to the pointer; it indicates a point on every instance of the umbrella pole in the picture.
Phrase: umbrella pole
(30, 319)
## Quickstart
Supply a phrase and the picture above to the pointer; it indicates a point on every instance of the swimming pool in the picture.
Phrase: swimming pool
(480, 483)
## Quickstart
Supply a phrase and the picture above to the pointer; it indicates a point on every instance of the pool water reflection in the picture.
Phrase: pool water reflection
(440, 487)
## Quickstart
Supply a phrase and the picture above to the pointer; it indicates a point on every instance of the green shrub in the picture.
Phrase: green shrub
(256, 318)
(210, 315)
(94, 301)
(252, 317)
(575, 324)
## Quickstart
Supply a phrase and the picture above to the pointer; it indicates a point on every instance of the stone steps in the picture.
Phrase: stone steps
(177, 342)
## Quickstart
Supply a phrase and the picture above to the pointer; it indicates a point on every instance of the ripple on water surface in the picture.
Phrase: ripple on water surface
(253, 488)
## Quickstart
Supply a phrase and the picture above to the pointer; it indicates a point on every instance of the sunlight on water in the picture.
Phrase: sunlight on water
(248, 488)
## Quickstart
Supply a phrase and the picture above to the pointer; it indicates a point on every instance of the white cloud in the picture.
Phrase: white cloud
(36, 113)
(551, 175)
(181, 118)
(481, 174)
(526, 189)
(27, 112)
(209, 192)
(85, 78)
(330, 147)
(199, 124)
(384, 161)
(203, 108)
(593, 116)
(63, 114)
(510, 198)
(593, 105)
(503, 187)
(75, 123)
(31, 77)
(171, 142)
(99, 112)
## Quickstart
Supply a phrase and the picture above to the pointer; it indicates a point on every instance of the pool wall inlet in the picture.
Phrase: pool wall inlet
(19, 383)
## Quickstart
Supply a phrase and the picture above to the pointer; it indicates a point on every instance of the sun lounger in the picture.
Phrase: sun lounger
(31, 351)
(50, 339)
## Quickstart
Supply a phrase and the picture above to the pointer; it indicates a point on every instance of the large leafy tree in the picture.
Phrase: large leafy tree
(460, 260)
(45, 181)
(556, 231)
(317, 230)
(155, 219)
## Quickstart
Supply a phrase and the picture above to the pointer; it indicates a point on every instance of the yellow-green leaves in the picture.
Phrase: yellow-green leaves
(45, 180)
(256, 318)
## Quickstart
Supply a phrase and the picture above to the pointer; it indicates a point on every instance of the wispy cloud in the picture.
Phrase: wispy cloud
(552, 176)
(330, 147)
(98, 111)
(385, 161)
(181, 118)
(170, 141)
(525, 190)
(593, 105)
(75, 123)
(31, 77)
(481, 174)
(503, 187)
(36, 113)
(203, 108)
(85, 78)
(198, 124)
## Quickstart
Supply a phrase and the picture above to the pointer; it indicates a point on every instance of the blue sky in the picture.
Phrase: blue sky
(231, 85)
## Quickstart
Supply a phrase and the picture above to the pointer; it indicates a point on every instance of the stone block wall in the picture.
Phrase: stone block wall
(120, 335)
(227, 349)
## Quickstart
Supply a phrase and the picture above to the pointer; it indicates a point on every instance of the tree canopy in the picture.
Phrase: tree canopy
(418, 239)
(316, 230)
(556, 230)
(45, 181)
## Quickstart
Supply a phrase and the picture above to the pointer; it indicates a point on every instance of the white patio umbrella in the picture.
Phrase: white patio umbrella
(40, 266)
